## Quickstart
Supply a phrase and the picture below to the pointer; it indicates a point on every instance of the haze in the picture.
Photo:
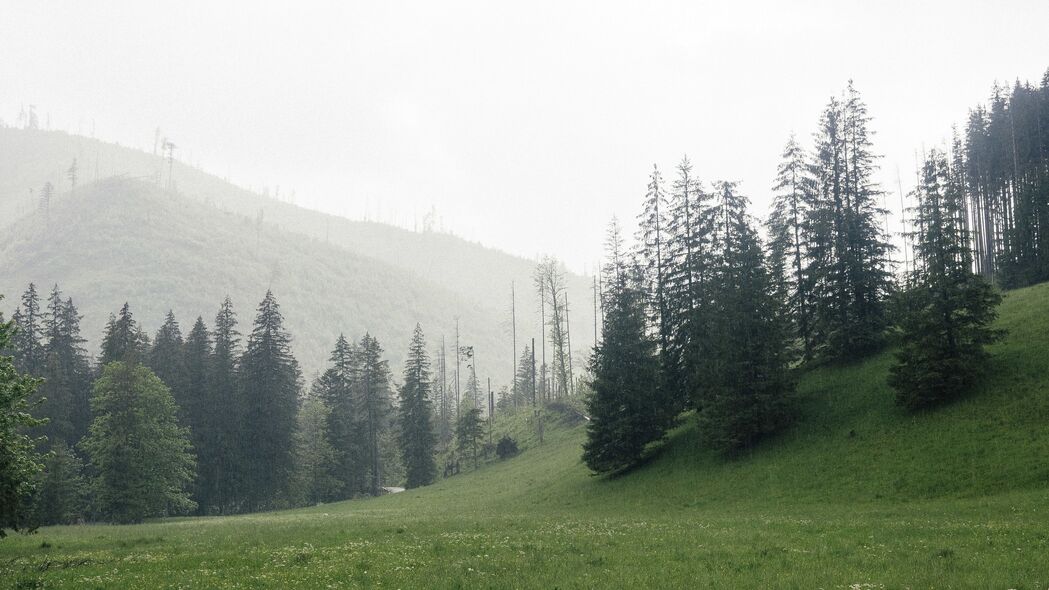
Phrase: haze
(524, 127)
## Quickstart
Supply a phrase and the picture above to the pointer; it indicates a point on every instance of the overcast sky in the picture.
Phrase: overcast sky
(526, 125)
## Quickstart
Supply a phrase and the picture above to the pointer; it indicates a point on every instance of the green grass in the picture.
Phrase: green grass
(856, 495)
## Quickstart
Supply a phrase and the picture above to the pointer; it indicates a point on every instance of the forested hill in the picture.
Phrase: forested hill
(466, 279)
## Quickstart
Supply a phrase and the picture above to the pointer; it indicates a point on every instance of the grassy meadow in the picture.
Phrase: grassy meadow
(857, 494)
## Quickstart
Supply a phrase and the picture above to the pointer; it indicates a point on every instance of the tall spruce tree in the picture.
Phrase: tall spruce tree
(744, 360)
(848, 268)
(123, 340)
(337, 388)
(166, 357)
(373, 392)
(196, 400)
(946, 314)
(66, 389)
(417, 440)
(28, 342)
(268, 377)
(793, 190)
(227, 472)
(141, 456)
(625, 414)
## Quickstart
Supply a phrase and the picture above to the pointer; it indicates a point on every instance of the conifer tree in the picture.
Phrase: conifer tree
(373, 392)
(337, 388)
(200, 413)
(166, 356)
(66, 389)
(417, 440)
(793, 192)
(227, 472)
(623, 406)
(28, 346)
(744, 360)
(142, 457)
(123, 340)
(268, 378)
(948, 310)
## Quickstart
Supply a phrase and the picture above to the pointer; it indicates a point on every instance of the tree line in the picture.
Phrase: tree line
(704, 315)
(210, 422)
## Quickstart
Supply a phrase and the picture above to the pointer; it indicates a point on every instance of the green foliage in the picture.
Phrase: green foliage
(946, 314)
(313, 481)
(417, 440)
(142, 458)
(626, 412)
(506, 447)
(19, 462)
(67, 372)
(62, 492)
(742, 365)
(469, 430)
(124, 341)
(268, 384)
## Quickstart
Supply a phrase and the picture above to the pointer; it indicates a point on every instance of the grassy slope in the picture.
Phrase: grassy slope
(954, 498)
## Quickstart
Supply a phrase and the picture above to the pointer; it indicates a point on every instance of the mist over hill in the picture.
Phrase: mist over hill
(122, 235)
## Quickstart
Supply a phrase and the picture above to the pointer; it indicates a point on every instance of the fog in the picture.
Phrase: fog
(524, 127)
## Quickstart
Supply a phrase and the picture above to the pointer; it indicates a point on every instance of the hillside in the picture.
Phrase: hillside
(857, 495)
(124, 240)
(478, 275)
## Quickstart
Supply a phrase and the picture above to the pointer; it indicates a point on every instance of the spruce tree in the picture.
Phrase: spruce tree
(947, 312)
(123, 340)
(625, 412)
(469, 431)
(19, 461)
(165, 358)
(417, 440)
(227, 472)
(28, 346)
(66, 389)
(336, 387)
(744, 359)
(141, 456)
(793, 189)
(268, 378)
(372, 387)
(313, 480)
(196, 400)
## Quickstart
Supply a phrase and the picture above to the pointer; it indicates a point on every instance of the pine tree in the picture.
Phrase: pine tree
(196, 400)
(19, 461)
(66, 389)
(123, 340)
(336, 387)
(625, 414)
(847, 272)
(142, 457)
(227, 471)
(28, 346)
(744, 360)
(166, 357)
(793, 192)
(947, 312)
(417, 440)
(373, 392)
(525, 391)
(268, 378)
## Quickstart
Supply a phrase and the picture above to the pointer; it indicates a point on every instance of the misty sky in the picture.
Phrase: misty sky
(526, 125)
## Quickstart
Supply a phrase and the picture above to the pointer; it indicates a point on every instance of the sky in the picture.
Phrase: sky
(525, 126)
